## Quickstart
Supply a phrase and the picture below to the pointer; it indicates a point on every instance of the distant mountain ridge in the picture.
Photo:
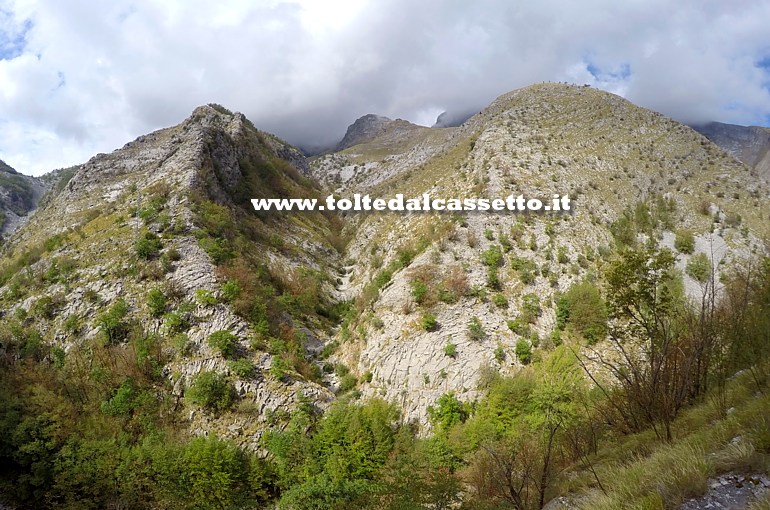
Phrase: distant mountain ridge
(748, 144)
(19, 195)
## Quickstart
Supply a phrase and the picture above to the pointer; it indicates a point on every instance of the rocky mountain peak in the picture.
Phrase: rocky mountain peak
(364, 128)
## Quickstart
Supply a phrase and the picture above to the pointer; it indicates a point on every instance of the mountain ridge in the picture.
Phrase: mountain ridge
(146, 296)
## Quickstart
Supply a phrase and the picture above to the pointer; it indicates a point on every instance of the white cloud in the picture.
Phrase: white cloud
(93, 75)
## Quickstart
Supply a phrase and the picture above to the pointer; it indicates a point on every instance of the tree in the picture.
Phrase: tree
(654, 359)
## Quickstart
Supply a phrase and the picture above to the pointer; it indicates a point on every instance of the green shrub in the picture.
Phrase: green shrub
(526, 268)
(684, 241)
(73, 323)
(175, 322)
(181, 343)
(584, 311)
(500, 354)
(519, 327)
(224, 342)
(122, 401)
(231, 290)
(348, 382)
(278, 367)
(112, 324)
(419, 291)
(242, 368)
(219, 250)
(205, 297)
(448, 411)
(699, 267)
(148, 246)
(210, 391)
(523, 351)
(500, 300)
(492, 257)
(44, 307)
(156, 302)
(450, 350)
(429, 322)
(530, 308)
(475, 329)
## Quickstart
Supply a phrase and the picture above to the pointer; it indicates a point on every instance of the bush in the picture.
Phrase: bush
(530, 308)
(500, 300)
(112, 324)
(231, 290)
(156, 302)
(475, 329)
(562, 256)
(348, 382)
(523, 351)
(242, 368)
(148, 246)
(448, 411)
(519, 327)
(224, 342)
(684, 241)
(450, 350)
(699, 267)
(175, 322)
(210, 391)
(278, 367)
(429, 322)
(205, 297)
(44, 307)
(526, 268)
(492, 257)
(419, 291)
(584, 310)
(73, 323)
(500, 354)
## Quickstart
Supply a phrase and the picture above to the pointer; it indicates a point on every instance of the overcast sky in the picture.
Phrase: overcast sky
(79, 77)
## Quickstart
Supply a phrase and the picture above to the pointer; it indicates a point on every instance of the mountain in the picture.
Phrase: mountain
(164, 345)
(154, 220)
(750, 145)
(19, 195)
(626, 168)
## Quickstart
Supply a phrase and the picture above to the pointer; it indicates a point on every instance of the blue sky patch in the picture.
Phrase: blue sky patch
(619, 73)
(13, 37)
